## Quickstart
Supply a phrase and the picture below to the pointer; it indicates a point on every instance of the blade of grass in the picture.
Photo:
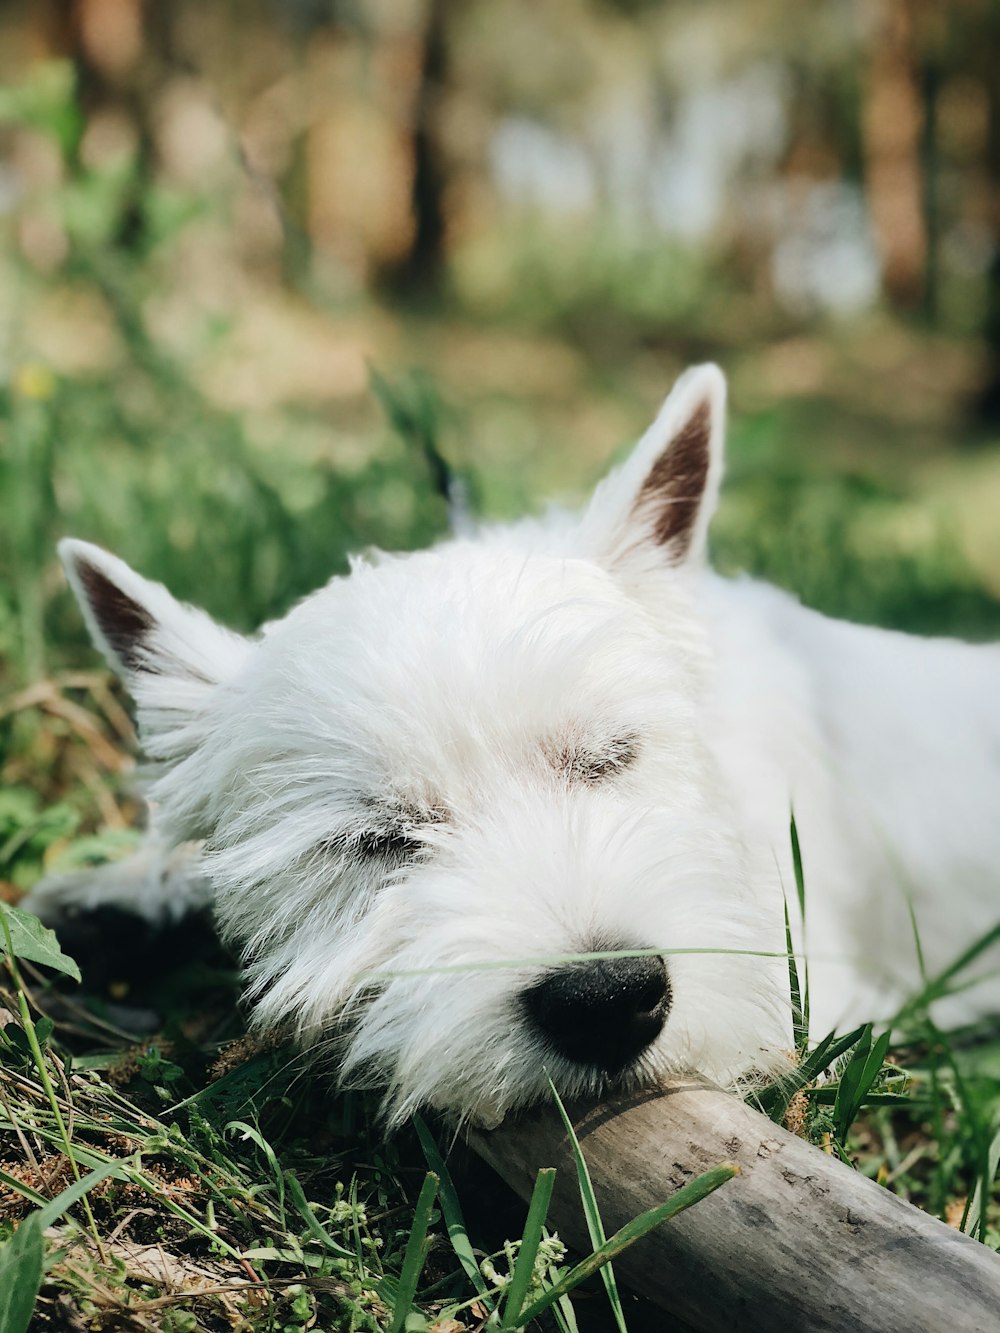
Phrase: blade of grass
(359, 1249)
(451, 1210)
(857, 1079)
(562, 1311)
(551, 959)
(774, 1099)
(849, 1081)
(828, 1096)
(819, 1060)
(975, 1134)
(313, 1224)
(255, 1136)
(416, 1253)
(874, 1063)
(800, 1030)
(531, 1237)
(595, 1226)
(974, 1140)
(19, 1187)
(54, 1208)
(937, 986)
(136, 1176)
(975, 1218)
(272, 1254)
(800, 892)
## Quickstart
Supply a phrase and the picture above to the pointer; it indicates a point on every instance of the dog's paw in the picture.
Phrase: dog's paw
(121, 955)
(58, 900)
(156, 884)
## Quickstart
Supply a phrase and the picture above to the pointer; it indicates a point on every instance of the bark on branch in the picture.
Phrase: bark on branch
(797, 1241)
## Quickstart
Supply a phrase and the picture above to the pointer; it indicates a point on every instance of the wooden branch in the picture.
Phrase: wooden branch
(797, 1241)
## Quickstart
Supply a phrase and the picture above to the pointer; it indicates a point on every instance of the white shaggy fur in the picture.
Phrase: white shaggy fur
(434, 780)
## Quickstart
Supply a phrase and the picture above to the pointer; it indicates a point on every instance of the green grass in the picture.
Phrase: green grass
(199, 1192)
(286, 1196)
(197, 1175)
(193, 1180)
(859, 1095)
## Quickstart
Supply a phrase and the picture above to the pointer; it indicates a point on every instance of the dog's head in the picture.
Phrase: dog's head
(438, 786)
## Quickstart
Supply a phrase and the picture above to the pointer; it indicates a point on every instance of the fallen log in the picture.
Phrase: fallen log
(796, 1241)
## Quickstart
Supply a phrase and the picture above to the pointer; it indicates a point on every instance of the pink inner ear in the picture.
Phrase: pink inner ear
(673, 491)
(123, 622)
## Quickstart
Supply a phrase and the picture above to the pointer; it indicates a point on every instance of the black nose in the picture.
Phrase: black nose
(602, 1013)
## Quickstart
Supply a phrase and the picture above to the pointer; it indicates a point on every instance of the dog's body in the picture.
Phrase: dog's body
(421, 796)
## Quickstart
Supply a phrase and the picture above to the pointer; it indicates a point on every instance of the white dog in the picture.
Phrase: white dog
(429, 792)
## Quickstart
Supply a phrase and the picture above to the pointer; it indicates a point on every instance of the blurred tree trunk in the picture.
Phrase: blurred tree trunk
(931, 81)
(891, 125)
(420, 272)
(119, 50)
(989, 401)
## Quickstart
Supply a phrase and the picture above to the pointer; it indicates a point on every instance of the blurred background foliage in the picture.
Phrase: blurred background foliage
(218, 218)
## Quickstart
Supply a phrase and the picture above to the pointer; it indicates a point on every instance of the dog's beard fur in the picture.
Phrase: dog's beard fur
(422, 993)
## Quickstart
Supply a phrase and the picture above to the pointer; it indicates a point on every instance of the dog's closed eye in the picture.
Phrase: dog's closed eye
(393, 841)
(376, 842)
(595, 763)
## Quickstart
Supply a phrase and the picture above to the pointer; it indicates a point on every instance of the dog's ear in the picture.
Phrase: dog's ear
(169, 655)
(655, 509)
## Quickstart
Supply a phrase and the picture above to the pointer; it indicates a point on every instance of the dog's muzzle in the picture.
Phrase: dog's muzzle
(602, 1013)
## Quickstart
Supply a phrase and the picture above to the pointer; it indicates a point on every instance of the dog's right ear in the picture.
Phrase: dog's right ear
(169, 655)
(654, 510)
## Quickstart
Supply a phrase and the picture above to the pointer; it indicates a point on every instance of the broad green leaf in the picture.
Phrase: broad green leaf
(15, 1035)
(31, 940)
(20, 1275)
(857, 1079)
(850, 1082)
(774, 1099)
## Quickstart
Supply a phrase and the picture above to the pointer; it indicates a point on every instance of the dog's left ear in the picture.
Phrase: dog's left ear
(655, 509)
(170, 656)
